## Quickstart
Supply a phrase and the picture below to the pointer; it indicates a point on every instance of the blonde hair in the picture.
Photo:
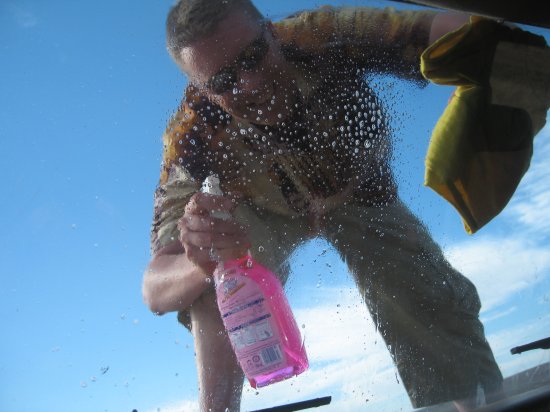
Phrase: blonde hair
(190, 20)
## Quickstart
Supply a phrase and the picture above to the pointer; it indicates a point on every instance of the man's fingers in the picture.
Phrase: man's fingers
(200, 233)
(230, 253)
(207, 258)
(196, 239)
(209, 224)
(195, 223)
(201, 257)
(198, 254)
(216, 240)
(204, 203)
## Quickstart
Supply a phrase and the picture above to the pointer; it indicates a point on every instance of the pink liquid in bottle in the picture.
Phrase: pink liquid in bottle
(257, 316)
(259, 322)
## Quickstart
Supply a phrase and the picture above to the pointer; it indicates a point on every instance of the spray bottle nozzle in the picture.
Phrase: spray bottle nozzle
(211, 185)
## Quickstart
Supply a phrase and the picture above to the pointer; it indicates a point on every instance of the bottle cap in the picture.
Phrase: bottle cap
(211, 185)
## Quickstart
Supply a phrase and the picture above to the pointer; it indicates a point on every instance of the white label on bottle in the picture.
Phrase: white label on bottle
(252, 330)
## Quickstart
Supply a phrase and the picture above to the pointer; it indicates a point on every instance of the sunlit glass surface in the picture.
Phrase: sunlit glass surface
(87, 91)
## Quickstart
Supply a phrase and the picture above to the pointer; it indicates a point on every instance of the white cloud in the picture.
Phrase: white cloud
(351, 383)
(348, 360)
(500, 267)
(498, 315)
(502, 341)
(530, 205)
(178, 406)
(335, 332)
(523, 362)
(504, 268)
(24, 18)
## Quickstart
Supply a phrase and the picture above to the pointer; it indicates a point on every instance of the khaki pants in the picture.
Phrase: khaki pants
(424, 309)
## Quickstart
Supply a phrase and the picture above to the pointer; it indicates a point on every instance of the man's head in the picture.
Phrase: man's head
(190, 20)
(231, 53)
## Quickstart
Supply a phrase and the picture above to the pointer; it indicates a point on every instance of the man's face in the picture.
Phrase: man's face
(241, 68)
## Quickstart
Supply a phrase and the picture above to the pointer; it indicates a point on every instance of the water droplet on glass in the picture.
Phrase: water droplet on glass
(249, 263)
(260, 249)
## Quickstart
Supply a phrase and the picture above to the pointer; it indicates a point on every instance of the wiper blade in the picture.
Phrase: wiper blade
(539, 344)
(298, 406)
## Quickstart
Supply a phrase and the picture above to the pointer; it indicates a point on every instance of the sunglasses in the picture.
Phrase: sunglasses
(249, 59)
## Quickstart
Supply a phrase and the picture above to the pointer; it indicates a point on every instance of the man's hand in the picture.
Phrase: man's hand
(206, 238)
(444, 23)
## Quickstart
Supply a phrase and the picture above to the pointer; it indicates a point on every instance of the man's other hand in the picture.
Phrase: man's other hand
(208, 239)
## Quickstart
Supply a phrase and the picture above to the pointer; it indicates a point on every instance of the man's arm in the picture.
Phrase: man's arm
(171, 281)
(181, 271)
(378, 40)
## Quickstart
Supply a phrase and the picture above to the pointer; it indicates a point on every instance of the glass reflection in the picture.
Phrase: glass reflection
(283, 114)
(83, 110)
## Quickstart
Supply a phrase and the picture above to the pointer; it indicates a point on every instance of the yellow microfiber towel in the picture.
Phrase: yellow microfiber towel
(482, 145)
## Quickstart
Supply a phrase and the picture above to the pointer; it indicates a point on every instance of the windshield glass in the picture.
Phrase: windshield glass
(398, 204)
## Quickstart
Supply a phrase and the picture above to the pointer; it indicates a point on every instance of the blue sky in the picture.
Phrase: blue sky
(87, 89)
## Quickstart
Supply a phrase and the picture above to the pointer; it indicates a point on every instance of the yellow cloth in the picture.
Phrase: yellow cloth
(482, 144)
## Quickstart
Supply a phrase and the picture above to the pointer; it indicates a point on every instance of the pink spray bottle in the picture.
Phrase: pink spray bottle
(257, 316)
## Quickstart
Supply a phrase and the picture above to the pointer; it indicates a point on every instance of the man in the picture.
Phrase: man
(282, 114)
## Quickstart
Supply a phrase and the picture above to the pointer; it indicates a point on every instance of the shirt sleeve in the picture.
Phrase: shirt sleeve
(176, 185)
(379, 40)
(169, 206)
(189, 143)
